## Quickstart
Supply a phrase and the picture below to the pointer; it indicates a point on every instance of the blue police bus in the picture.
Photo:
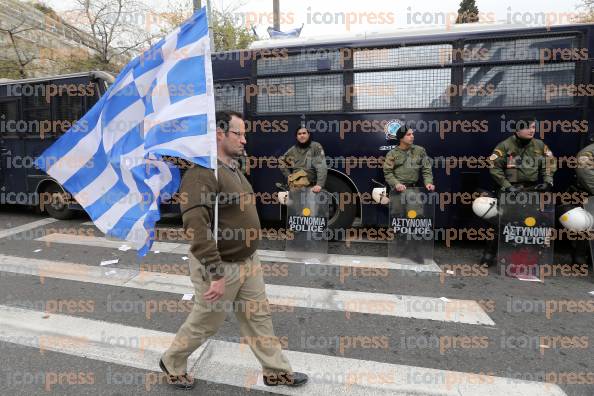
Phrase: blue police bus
(463, 89)
(33, 113)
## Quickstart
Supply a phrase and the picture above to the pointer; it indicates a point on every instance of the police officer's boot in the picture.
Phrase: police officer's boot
(489, 255)
(579, 253)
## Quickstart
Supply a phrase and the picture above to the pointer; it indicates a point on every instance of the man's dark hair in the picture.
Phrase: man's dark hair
(524, 123)
(300, 128)
(224, 119)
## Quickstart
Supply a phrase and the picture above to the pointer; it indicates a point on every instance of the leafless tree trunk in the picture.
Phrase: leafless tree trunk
(24, 53)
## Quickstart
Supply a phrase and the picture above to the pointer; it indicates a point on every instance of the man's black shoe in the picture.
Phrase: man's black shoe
(579, 259)
(295, 379)
(488, 258)
(184, 382)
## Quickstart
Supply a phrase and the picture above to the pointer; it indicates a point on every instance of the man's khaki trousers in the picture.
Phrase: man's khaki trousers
(245, 295)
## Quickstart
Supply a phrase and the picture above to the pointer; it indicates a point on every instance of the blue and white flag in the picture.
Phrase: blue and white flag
(277, 34)
(162, 103)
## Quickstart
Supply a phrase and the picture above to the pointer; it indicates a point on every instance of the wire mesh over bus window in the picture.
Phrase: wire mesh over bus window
(36, 106)
(67, 109)
(300, 93)
(9, 111)
(403, 89)
(312, 60)
(518, 85)
(427, 55)
(229, 97)
(522, 49)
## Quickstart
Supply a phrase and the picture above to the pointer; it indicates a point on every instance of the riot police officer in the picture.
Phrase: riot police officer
(521, 160)
(403, 168)
(304, 164)
(406, 161)
(585, 170)
(520, 163)
(575, 217)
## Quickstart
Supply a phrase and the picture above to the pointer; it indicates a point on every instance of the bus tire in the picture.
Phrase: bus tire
(57, 210)
(342, 219)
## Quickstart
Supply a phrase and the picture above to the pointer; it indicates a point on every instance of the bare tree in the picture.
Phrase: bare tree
(116, 27)
(587, 6)
(19, 50)
(229, 27)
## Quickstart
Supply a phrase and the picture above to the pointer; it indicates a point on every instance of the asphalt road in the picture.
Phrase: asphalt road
(538, 335)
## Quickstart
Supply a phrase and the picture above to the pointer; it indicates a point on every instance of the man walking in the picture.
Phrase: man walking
(227, 274)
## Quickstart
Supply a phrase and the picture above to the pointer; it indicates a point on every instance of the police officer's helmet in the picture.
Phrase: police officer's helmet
(577, 219)
(396, 129)
(485, 207)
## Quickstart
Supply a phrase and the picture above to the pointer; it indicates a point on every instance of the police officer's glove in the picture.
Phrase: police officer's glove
(543, 187)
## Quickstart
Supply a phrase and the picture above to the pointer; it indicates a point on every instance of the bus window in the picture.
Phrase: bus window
(517, 72)
(308, 93)
(307, 62)
(67, 110)
(36, 108)
(418, 88)
(518, 85)
(230, 96)
(519, 49)
(426, 55)
(9, 115)
(402, 89)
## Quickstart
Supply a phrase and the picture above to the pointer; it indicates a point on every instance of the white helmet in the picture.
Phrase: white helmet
(485, 207)
(577, 219)
(283, 197)
(380, 196)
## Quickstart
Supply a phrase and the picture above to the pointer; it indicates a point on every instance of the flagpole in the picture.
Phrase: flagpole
(216, 165)
(198, 7)
(210, 29)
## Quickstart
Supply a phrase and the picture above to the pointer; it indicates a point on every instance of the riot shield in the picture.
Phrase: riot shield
(307, 225)
(411, 220)
(526, 225)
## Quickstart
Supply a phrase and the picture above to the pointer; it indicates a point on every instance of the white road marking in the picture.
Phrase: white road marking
(25, 227)
(349, 302)
(276, 256)
(234, 364)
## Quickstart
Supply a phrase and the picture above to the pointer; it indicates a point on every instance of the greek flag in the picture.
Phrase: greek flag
(161, 104)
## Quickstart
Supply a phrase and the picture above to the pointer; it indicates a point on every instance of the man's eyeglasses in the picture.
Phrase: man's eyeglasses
(239, 134)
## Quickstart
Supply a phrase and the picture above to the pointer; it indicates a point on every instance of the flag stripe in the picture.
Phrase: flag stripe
(183, 109)
(82, 153)
(97, 188)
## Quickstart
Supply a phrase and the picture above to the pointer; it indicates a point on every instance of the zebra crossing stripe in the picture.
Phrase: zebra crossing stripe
(25, 227)
(349, 302)
(233, 364)
(275, 256)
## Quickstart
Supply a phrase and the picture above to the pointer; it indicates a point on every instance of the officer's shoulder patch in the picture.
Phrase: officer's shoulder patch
(493, 157)
(497, 153)
(547, 151)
